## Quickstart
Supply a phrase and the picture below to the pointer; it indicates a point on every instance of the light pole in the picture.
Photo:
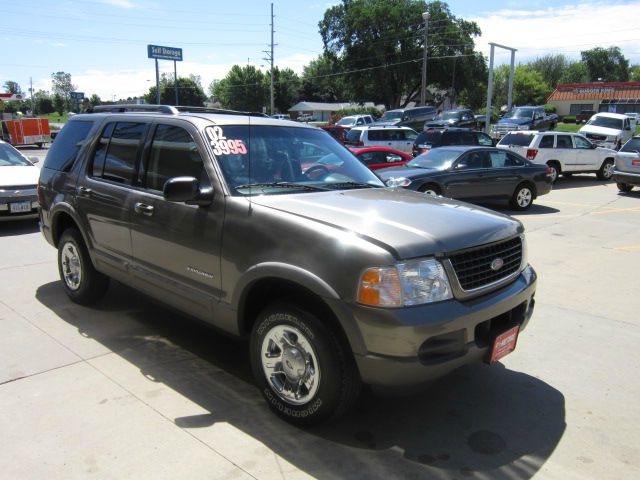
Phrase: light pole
(423, 90)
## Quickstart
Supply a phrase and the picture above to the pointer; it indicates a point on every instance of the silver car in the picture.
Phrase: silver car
(626, 172)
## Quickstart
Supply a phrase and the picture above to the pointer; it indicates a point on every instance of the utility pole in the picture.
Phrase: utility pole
(269, 58)
(33, 105)
(423, 90)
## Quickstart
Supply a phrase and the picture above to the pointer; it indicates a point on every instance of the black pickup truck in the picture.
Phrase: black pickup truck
(523, 118)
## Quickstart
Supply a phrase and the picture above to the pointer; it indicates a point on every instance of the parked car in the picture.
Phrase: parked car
(376, 158)
(18, 183)
(563, 152)
(334, 281)
(281, 116)
(464, 118)
(584, 116)
(610, 130)
(337, 132)
(355, 120)
(626, 172)
(479, 174)
(414, 117)
(523, 118)
(305, 117)
(398, 138)
(441, 137)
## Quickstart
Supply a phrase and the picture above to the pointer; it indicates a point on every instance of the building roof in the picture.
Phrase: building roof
(596, 91)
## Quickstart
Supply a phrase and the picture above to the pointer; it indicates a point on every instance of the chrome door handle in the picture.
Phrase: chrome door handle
(84, 192)
(143, 208)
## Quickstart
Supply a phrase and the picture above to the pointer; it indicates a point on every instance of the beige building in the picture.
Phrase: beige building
(615, 97)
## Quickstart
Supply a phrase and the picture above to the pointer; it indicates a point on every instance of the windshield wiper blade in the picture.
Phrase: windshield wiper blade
(351, 185)
(280, 185)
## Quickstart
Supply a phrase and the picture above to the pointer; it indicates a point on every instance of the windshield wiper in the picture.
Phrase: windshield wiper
(280, 185)
(351, 185)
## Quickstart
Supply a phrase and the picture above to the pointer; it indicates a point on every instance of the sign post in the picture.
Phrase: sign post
(77, 96)
(165, 53)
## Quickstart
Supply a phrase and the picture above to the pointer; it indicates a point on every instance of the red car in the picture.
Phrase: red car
(380, 157)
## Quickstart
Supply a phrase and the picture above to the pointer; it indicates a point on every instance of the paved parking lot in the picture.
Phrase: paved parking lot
(130, 390)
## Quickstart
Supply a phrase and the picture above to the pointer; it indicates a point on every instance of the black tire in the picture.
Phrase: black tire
(430, 189)
(86, 285)
(522, 198)
(624, 187)
(338, 382)
(606, 170)
(555, 170)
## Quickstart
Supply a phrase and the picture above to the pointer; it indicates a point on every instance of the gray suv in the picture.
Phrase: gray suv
(273, 231)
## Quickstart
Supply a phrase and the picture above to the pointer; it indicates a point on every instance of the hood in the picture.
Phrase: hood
(19, 175)
(612, 132)
(408, 224)
(440, 123)
(514, 121)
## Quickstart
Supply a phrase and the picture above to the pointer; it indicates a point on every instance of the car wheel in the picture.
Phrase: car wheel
(606, 170)
(82, 283)
(555, 171)
(522, 197)
(624, 187)
(305, 372)
(430, 189)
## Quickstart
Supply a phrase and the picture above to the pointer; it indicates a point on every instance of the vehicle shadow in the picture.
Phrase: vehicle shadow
(480, 421)
(535, 209)
(18, 227)
(579, 180)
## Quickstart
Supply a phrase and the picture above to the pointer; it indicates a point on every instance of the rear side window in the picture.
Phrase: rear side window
(115, 157)
(484, 139)
(564, 141)
(430, 137)
(459, 138)
(353, 137)
(65, 147)
(517, 139)
(381, 135)
(173, 154)
(546, 141)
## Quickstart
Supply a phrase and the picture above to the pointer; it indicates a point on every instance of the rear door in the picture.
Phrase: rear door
(176, 247)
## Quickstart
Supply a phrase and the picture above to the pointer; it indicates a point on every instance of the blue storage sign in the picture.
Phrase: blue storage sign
(164, 53)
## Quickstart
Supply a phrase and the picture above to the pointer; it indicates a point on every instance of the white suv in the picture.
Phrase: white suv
(398, 138)
(355, 120)
(563, 152)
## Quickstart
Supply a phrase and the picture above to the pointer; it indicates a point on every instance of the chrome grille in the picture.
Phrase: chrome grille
(473, 267)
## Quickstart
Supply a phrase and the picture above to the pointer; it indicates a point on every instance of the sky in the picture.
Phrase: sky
(103, 43)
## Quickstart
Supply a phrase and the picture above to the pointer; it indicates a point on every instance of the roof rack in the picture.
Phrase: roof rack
(169, 109)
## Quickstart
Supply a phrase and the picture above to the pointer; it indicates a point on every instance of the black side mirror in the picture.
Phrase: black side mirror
(593, 145)
(187, 190)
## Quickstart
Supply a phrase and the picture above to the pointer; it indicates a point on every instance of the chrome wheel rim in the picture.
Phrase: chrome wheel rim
(290, 364)
(71, 266)
(524, 197)
(429, 191)
(554, 173)
(608, 170)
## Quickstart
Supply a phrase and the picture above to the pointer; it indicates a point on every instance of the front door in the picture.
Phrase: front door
(176, 247)
(565, 150)
(467, 178)
(587, 157)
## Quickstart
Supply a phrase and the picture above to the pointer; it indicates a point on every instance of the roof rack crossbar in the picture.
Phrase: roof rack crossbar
(136, 108)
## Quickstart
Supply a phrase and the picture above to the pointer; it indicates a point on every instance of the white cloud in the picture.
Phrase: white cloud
(567, 30)
(127, 4)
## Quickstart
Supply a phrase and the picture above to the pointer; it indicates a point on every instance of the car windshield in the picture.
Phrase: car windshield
(391, 116)
(606, 122)
(437, 159)
(266, 160)
(347, 122)
(451, 115)
(517, 139)
(519, 113)
(10, 157)
(632, 145)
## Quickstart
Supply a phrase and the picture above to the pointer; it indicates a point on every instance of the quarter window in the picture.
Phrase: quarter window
(116, 154)
(173, 154)
(564, 141)
(546, 141)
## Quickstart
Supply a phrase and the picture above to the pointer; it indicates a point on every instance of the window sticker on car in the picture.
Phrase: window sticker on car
(222, 145)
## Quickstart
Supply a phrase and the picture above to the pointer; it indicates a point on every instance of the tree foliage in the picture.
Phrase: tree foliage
(634, 73)
(242, 89)
(12, 87)
(286, 88)
(190, 91)
(576, 72)
(606, 64)
(320, 83)
(365, 35)
(529, 88)
(62, 86)
(551, 67)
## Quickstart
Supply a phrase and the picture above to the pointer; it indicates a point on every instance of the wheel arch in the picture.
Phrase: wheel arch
(64, 217)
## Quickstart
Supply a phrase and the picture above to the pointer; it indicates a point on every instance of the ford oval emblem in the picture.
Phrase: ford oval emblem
(497, 264)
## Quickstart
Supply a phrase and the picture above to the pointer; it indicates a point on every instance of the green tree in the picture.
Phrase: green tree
(529, 88)
(365, 35)
(12, 87)
(59, 103)
(576, 72)
(94, 100)
(189, 91)
(634, 73)
(242, 89)
(320, 83)
(286, 88)
(606, 64)
(551, 67)
(43, 103)
(62, 86)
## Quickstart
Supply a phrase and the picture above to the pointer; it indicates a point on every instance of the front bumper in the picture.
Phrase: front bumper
(409, 346)
(9, 203)
(626, 177)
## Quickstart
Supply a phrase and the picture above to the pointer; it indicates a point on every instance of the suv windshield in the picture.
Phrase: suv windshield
(261, 160)
(606, 122)
(517, 139)
(437, 159)
(519, 113)
(632, 145)
(391, 115)
(347, 121)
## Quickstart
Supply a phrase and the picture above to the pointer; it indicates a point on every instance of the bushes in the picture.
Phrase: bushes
(549, 108)
(495, 113)
(569, 119)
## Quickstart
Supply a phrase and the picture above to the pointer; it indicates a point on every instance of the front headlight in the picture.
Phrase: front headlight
(523, 127)
(409, 283)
